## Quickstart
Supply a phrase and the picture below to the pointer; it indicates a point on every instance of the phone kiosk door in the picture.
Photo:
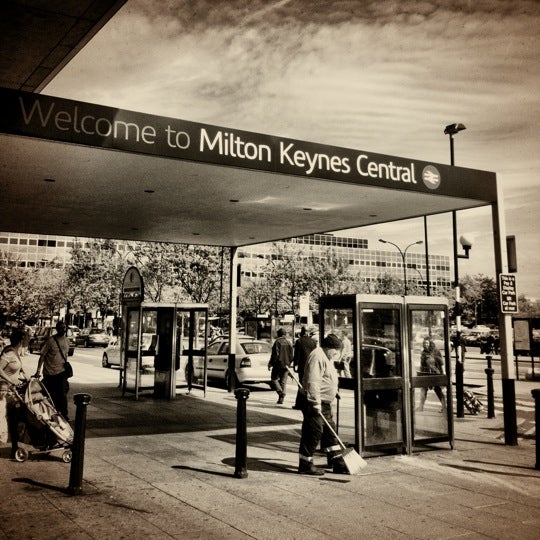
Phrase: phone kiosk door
(372, 377)
(429, 356)
(191, 344)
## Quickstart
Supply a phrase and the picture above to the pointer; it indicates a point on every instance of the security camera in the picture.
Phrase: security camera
(467, 245)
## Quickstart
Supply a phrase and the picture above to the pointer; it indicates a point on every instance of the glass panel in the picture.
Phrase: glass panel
(383, 410)
(339, 322)
(382, 367)
(426, 325)
(381, 343)
(149, 348)
(427, 352)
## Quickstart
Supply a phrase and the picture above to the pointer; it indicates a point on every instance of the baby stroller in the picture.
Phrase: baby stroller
(42, 429)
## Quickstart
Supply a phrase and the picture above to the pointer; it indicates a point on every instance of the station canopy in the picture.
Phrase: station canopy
(81, 169)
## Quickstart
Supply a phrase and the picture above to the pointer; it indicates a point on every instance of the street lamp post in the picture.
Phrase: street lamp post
(452, 130)
(403, 254)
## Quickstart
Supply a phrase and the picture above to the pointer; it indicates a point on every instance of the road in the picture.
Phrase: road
(88, 370)
(86, 366)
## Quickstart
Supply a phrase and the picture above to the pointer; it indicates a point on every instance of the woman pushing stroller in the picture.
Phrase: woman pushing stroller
(12, 374)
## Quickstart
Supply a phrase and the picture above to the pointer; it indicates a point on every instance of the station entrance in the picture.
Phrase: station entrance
(395, 384)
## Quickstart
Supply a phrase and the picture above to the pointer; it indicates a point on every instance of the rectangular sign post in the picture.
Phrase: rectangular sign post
(508, 293)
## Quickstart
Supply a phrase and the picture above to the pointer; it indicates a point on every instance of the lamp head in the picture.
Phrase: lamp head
(466, 244)
(452, 129)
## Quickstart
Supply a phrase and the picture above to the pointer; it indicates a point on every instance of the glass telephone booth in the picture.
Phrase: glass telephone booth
(160, 345)
(394, 373)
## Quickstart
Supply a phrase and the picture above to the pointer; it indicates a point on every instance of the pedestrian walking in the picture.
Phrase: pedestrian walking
(302, 349)
(53, 359)
(280, 359)
(346, 356)
(320, 384)
(431, 363)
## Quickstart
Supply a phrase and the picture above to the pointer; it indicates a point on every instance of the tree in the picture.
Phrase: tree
(199, 271)
(94, 276)
(480, 299)
(29, 293)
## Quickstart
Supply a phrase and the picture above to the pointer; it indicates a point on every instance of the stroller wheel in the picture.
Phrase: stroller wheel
(66, 456)
(21, 455)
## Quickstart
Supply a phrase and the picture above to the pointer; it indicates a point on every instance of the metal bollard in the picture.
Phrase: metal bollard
(490, 395)
(460, 411)
(536, 395)
(76, 472)
(240, 471)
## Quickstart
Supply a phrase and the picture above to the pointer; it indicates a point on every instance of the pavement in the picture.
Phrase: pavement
(165, 469)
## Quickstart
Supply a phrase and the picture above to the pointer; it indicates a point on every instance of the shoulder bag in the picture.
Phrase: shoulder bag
(68, 369)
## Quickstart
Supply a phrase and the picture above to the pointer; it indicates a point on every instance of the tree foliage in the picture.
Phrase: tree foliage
(29, 293)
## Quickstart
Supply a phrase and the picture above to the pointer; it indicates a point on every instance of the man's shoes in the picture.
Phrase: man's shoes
(307, 467)
(281, 399)
(339, 467)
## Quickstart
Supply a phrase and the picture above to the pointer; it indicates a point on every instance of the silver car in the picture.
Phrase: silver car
(252, 358)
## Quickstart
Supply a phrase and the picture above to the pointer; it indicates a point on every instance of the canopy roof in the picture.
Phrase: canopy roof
(79, 169)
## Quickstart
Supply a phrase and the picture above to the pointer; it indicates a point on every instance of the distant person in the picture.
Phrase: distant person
(320, 384)
(280, 359)
(431, 363)
(53, 358)
(346, 356)
(302, 349)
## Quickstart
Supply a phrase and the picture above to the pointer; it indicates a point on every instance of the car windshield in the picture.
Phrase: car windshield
(97, 331)
(256, 347)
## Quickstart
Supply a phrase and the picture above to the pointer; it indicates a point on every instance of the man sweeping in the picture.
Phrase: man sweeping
(320, 384)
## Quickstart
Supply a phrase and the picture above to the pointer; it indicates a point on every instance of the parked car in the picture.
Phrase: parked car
(252, 356)
(111, 354)
(43, 333)
(75, 329)
(92, 337)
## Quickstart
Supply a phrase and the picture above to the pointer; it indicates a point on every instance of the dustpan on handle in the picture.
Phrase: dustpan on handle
(352, 459)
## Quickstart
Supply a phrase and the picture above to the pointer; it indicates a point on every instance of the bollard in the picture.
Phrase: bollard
(240, 470)
(460, 412)
(76, 472)
(536, 395)
(490, 397)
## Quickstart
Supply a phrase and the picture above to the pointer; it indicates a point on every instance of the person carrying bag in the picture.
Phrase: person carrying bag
(56, 368)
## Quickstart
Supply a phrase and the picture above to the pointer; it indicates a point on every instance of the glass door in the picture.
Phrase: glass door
(339, 319)
(431, 390)
(382, 379)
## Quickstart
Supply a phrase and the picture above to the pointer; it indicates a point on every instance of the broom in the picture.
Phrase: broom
(353, 461)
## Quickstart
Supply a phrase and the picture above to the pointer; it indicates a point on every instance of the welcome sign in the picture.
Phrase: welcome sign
(36, 115)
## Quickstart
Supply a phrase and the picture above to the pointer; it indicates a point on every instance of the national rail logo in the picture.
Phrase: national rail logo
(431, 177)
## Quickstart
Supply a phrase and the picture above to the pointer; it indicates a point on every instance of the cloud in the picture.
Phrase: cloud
(380, 76)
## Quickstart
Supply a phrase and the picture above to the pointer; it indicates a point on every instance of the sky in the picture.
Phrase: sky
(377, 76)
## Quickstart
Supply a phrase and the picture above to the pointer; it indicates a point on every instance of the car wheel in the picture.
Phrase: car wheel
(105, 361)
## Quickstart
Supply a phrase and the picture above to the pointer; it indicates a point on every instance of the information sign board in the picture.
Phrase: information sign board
(508, 293)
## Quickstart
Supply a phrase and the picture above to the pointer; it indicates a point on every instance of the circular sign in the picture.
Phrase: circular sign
(431, 177)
